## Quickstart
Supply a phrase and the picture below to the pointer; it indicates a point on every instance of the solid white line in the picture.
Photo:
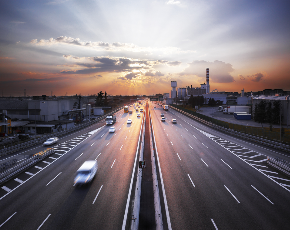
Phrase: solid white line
(53, 179)
(262, 194)
(98, 156)
(267, 171)
(214, 224)
(6, 189)
(79, 156)
(7, 219)
(18, 180)
(178, 156)
(97, 194)
(204, 162)
(43, 222)
(226, 164)
(113, 163)
(279, 178)
(191, 180)
(232, 194)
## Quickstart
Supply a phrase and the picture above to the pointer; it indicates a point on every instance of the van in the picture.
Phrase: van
(86, 172)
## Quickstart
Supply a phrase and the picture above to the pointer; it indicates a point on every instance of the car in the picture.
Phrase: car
(86, 173)
(129, 121)
(130, 111)
(162, 114)
(174, 121)
(137, 110)
(51, 141)
(112, 129)
(141, 110)
(162, 118)
(138, 115)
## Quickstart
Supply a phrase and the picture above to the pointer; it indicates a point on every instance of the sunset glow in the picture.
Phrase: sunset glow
(122, 47)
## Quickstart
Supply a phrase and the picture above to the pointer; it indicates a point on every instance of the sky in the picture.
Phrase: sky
(137, 47)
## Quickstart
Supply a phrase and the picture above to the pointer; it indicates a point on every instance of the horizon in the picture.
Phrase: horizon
(64, 47)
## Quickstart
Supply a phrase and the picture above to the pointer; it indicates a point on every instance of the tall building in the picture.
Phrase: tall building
(207, 81)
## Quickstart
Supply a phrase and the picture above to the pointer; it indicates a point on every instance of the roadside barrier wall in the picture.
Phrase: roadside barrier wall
(249, 133)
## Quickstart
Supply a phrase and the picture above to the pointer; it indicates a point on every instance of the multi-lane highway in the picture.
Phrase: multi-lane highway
(43, 197)
(211, 180)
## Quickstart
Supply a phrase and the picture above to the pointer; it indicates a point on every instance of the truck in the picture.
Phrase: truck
(243, 116)
(236, 108)
(110, 120)
(86, 172)
(165, 107)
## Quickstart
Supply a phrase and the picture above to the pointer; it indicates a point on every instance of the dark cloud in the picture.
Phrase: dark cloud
(157, 73)
(129, 76)
(242, 77)
(174, 63)
(256, 77)
(104, 64)
(219, 71)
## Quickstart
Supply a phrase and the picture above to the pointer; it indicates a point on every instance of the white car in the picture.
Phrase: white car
(162, 118)
(138, 115)
(129, 121)
(51, 141)
(174, 121)
(112, 129)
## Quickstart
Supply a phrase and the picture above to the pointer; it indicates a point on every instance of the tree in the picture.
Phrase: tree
(260, 112)
(276, 112)
(99, 98)
(269, 112)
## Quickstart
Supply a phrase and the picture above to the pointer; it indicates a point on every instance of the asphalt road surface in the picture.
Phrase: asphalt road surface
(214, 181)
(43, 197)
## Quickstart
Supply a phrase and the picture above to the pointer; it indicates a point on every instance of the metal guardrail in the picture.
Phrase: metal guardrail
(248, 137)
(39, 140)
(18, 168)
(279, 164)
(8, 171)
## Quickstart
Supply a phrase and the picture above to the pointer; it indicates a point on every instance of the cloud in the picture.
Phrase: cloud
(256, 77)
(107, 64)
(111, 47)
(219, 72)
(174, 63)
(157, 73)
(173, 2)
(129, 76)
(242, 77)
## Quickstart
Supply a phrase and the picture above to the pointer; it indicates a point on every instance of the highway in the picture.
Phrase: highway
(43, 197)
(211, 180)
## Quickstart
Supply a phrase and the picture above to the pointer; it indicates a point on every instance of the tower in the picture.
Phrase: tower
(173, 91)
(207, 80)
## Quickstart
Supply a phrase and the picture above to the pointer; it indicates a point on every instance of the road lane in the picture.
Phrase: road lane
(221, 197)
(51, 193)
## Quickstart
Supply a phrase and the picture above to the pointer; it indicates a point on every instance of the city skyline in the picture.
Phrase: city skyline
(139, 47)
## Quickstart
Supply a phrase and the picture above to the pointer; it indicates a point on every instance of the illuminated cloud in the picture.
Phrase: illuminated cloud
(173, 2)
(219, 72)
(242, 77)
